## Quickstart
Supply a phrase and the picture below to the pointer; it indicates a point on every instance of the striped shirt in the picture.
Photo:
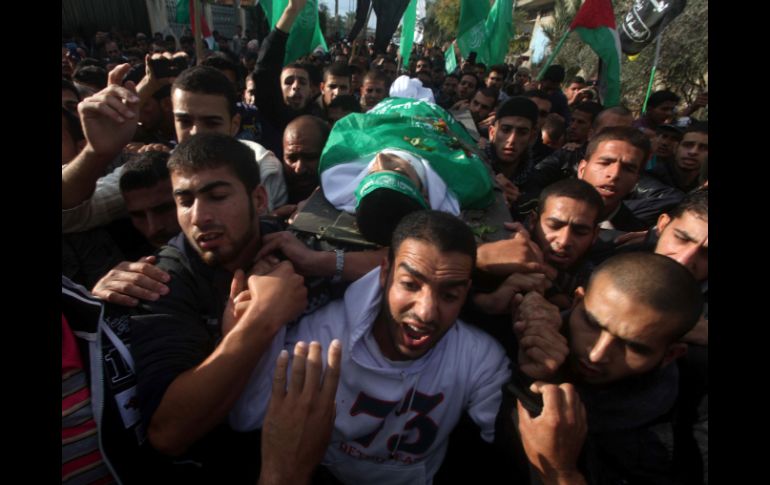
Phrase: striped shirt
(82, 461)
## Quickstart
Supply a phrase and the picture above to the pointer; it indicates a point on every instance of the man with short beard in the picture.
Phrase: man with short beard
(282, 92)
(565, 226)
(374, 89)
(617, 388)
(303, 142)
(691, 153)
(410, 368)
(194, 348)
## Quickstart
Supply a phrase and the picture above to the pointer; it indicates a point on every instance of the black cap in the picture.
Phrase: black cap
(554, 73)
(671, 129)
(518, 106)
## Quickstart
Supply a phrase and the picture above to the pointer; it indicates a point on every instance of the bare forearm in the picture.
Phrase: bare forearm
(78, 178)
(324, 263)
(575, 478)
(267, 477)
(359, 263)
(287, 19)
(200, 398)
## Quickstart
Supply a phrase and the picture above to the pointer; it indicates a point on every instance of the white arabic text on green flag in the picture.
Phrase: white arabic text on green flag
(407, 32)
(470, 30)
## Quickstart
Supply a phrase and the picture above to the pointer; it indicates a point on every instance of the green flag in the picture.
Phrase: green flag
(450, 59)
(305, 34)
(470, 30)
(498, 31)
(407, 32)
(182, 12)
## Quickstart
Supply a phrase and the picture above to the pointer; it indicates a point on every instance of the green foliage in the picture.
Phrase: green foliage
(442, 19)
(520, 42)
(574, 54)
(683, 63)
(344, 22)
(323, 18)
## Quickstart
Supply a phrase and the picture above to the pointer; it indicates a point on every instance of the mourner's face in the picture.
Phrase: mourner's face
(614, 336)
(202, 113)
(692, 151)
(218, 217)
(685, 239)
(424, 290)
(579, 126)
(613, 170)
(372, 92)
(511, 136)
(334, 86)
(481, 106)
(565, 230)
(152, 212)
(301, 153)
(664, 111)
(295, 86)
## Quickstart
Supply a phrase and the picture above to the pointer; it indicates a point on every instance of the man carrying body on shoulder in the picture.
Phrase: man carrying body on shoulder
(565, 226)
(195, 347)
(410, 368)
(617, 389)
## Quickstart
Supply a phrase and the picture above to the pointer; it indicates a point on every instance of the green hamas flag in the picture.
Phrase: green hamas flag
(450, 59)
(470, 31)
(422, 128)
(407, 32)
(498, 31)
(305, 34)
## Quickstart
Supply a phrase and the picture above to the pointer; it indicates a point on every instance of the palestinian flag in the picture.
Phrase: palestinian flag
(595, 23)
(183, 9)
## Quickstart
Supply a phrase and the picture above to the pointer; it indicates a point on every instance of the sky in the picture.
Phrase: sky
(349, 6)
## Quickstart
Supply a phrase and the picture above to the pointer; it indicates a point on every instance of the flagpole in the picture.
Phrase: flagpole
(553, 55)
(366, 25)
(198, 34)
(652, 73)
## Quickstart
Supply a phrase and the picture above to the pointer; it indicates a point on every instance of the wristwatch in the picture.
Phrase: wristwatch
(340, 264)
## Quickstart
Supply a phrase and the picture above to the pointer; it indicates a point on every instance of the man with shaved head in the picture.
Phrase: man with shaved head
(617, 388)
(303, 142)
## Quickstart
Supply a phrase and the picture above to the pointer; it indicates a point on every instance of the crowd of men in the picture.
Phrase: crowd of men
(205, 340)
